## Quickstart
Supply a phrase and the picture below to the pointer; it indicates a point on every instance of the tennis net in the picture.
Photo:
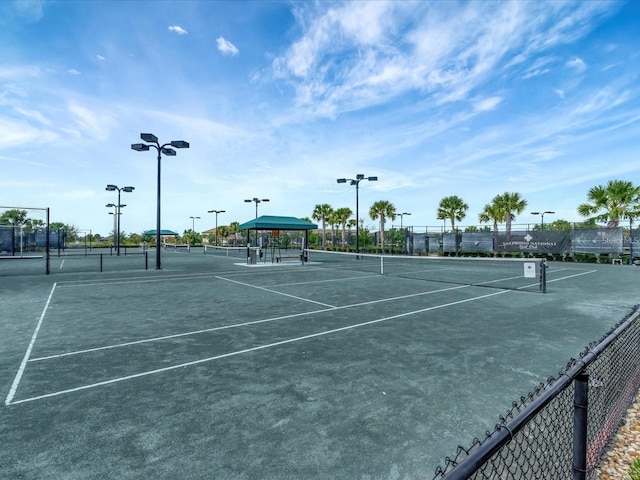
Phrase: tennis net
(527, 274)
(237, 252)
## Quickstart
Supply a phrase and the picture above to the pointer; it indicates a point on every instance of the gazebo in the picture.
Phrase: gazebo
(275, 224)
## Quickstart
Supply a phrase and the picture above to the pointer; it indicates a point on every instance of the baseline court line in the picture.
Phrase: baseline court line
(244, 324)
(254, 349)
(16, 380)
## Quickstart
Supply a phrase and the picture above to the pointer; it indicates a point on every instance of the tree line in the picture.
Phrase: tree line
(613, 203)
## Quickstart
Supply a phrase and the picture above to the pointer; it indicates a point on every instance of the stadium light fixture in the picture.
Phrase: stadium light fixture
(257, 201)
(356, 182)
(113, 188)
(150, 138)
(542, 214)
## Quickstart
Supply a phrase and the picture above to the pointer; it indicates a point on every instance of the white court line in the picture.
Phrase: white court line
(244, 324)
(571, 276)
(62, 263)
(276, 292)
(254, 349)
(16, 380)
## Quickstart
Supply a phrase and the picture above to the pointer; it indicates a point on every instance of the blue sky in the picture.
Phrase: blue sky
(279, 99)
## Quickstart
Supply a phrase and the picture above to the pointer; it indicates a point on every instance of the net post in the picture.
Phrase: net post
(382, 265)
(543, 275)
(101, 262)
(146, 260)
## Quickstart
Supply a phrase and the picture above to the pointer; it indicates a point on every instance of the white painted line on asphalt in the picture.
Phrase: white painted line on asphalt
(16, 380)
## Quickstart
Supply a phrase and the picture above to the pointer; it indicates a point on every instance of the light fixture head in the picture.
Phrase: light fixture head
(179, 144)
(373, 179)
(342, 180)
(149, 137)
(139, 147)
(109, 205)
(128, 189)
(169, 152)
(111, 188)
(535, 213)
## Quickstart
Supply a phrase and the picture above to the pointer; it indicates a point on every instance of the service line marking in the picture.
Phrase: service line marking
(253, 349)
(23, 364)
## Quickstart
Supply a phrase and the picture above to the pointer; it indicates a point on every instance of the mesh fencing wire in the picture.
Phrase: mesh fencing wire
(535, 440)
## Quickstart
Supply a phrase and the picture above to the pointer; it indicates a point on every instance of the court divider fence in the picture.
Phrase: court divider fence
(563, 428)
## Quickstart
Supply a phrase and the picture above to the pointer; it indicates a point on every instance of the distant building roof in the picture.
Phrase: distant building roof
(270, 222)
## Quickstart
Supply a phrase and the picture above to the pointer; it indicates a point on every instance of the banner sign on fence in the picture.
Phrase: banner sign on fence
(477, 242)
(597, 240)
(536, 241)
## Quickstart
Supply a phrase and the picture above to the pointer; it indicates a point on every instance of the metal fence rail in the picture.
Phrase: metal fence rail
(562, 429)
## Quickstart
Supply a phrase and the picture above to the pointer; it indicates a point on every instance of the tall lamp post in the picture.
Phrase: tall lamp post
(115, 221)
(216, 212)
(152, 141)
(193, 228)
(542, 214)
(356, 181)
(113, 188)
(404, 236)
(256, 201)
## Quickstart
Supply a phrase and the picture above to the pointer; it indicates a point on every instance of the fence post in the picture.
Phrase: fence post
(146, 260)
(101, 262)
(580, 403)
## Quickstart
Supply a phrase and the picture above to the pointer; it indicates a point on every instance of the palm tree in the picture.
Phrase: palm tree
(14, 217)
(382, 209)
(616, 201)
(510, 203)
(343, 214)
(234, 229)
(492, 213)
(323, 212)
(454, 209)
(222, 233)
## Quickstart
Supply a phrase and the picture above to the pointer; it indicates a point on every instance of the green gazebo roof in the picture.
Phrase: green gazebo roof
(162, 232)
(270, 222)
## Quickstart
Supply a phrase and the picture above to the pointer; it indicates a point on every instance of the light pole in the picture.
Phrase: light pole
(193, 228)
(150, 138)
(257, 201)
(404, 236)
(542, 217)
(113, 188)
(356, 181)
(216, 212)
(116, 216)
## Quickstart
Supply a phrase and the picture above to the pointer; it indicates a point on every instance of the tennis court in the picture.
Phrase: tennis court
(212, 368)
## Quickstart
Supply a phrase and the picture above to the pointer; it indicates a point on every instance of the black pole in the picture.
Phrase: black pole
(357, 218)
(580, 403)
(630, 241)
(118, 226)
(158, 263)
(101, 262)
(46, 246)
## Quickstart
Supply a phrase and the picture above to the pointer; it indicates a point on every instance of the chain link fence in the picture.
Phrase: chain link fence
(562, 429)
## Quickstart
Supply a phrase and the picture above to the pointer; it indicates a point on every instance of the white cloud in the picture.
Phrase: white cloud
(487, 104)
(559, 92)
(177, 29)
(577, 64)
(100, 57)
(73, 71)
(226, 47)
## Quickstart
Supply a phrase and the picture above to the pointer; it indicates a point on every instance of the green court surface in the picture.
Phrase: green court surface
(212, 368)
